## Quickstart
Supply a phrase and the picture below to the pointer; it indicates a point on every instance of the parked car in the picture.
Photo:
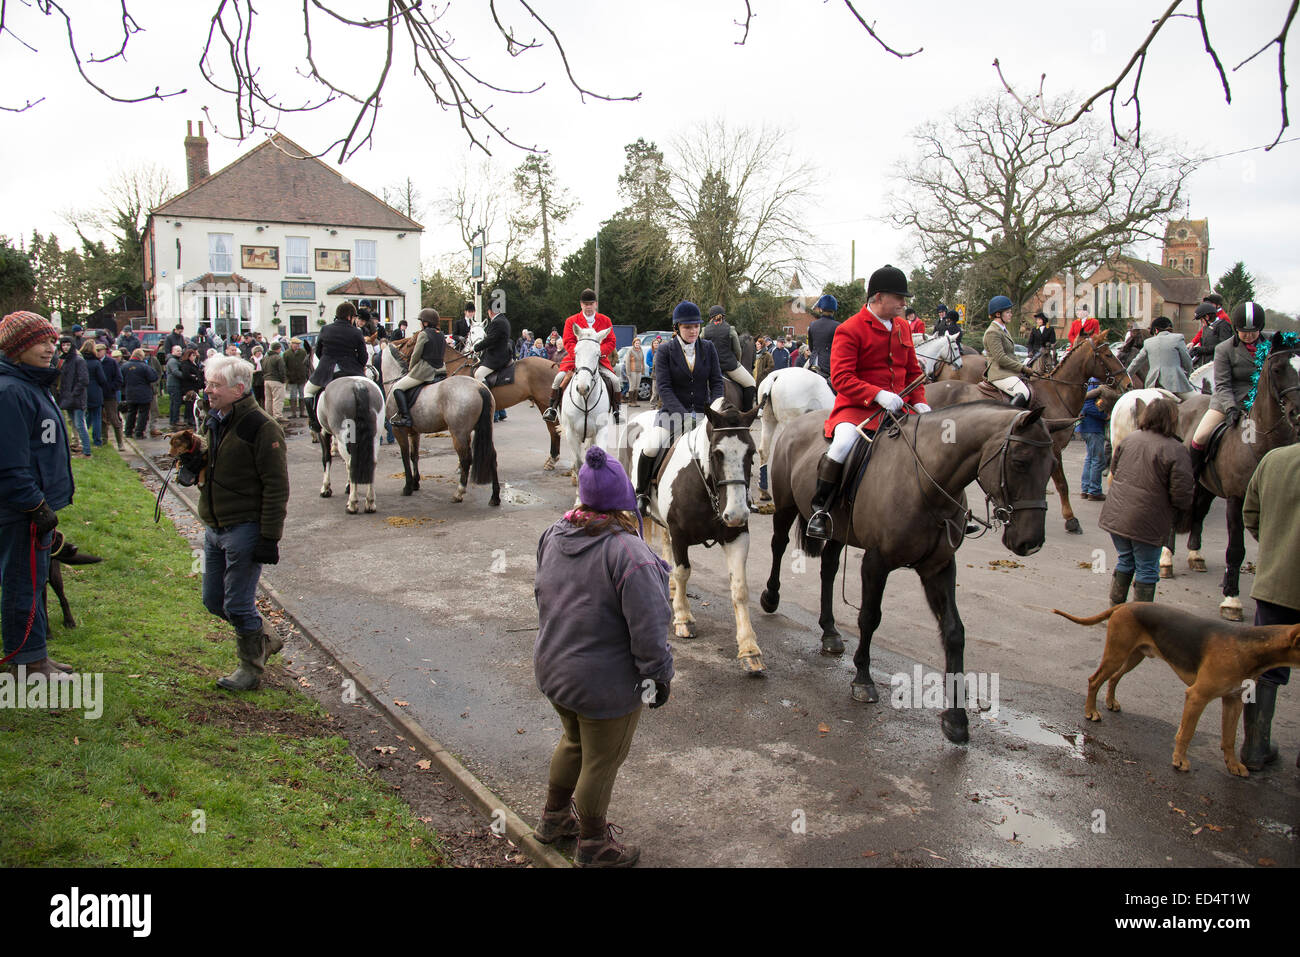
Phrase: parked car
(308, 339)
(151, 339)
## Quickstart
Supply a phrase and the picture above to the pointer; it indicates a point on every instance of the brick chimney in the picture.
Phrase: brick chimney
(196, 154)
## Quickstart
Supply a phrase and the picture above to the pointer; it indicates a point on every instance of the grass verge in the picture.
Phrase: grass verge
(177, 772)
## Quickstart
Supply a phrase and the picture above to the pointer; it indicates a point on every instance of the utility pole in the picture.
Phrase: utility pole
(853, 260)
(597, 286)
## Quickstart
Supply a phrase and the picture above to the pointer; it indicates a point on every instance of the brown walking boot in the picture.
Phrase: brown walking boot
(559, 818)
(598, 848)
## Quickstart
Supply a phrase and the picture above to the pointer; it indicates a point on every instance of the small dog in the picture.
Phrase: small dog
(190, 452)
(1213, 658)
(63, 552)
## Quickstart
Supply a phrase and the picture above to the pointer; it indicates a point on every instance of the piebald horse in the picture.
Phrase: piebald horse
(911, 511)
(701, 496)
(459, 405)
(351, 410)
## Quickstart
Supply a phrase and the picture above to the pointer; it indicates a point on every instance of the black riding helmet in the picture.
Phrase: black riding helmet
(1248, 317)
(1207, 310)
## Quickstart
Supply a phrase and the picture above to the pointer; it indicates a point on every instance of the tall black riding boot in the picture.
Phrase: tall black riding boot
(1198, 462)
(402, 418)
(615, 399)
(313, 423)
(748, 396)
(645, 470)
(552, 413)
(828, 477)
(1256, 749)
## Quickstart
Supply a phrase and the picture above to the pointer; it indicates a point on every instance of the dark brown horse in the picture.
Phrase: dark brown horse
(1273, 421)
(1059, 394)
(911, 511)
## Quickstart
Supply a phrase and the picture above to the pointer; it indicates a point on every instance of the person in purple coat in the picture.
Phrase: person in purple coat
(601, 653)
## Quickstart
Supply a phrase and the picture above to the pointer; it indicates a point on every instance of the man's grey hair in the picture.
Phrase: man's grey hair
(230, 371)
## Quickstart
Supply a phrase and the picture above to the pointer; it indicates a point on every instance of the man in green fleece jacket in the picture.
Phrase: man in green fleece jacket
(242, 501)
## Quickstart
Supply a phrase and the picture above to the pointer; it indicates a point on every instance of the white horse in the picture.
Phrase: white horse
(934, 352)
(584, 409)
(1201, 376)
(784, 395)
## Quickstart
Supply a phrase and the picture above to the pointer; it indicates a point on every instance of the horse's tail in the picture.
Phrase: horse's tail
(812, 547)
(483, 453)
(1094, 620)
(363, 454)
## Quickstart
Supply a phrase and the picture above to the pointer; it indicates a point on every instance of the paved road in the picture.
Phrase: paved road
(435, 599)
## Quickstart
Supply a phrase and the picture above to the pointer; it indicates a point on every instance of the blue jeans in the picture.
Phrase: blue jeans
(78, 418)
(16, 595)
(230, 575)
(1093, 456)
(1141, 559)
(95, 421)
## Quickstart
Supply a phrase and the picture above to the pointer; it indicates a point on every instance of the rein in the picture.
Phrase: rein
(706, 480)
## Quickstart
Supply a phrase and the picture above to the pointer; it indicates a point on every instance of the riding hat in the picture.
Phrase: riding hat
(686, 312)
(1215, 298)
(1000, 304)
(1207, 310)
(827, 303)
(888, 279)
(1248, 317)
(1041, 315)
(588, 295)
(717, 311)
(428, 316)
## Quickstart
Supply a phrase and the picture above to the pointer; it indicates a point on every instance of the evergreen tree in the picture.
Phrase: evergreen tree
(544, 204)
(1236, 286)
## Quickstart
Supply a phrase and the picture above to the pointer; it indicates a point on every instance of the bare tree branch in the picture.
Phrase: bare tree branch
(1280, 40)
(871, 29)
(749, 16)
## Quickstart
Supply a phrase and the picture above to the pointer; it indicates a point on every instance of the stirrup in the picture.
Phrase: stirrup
(822, 520)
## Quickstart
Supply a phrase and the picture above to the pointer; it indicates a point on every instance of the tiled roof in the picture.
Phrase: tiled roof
(223, 283)
(1173, 285)
(279, 182)
(364, 287)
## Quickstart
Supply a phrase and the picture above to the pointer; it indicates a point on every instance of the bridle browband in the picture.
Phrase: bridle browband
(711, 487)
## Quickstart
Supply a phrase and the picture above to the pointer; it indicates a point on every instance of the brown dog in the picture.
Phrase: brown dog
(188, 450)
(1213, 658)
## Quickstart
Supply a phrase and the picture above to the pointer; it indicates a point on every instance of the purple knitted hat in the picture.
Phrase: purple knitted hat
(603, 485)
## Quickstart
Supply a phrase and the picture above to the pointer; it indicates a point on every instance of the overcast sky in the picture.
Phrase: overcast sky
(807, 67)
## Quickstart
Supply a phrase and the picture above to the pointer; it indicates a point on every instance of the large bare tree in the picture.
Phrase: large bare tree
(738, 197)
(994, 185)
(481, 198)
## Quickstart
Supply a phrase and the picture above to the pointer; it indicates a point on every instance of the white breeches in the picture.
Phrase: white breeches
(742, 378)
(1209, 422)
(842, 440)
(609, 377)
(311, 389)
(1013, 386)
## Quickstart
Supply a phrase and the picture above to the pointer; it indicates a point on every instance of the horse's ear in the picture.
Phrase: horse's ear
(600, 337)
(747, 418)
(1138, 406)
(1031, 418)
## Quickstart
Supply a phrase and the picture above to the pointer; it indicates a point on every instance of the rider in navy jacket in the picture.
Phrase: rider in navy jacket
(684, 390)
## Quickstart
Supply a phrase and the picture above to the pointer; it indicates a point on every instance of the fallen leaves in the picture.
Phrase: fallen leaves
(401, 704)
(424, 764)
(385, 748)
(823, 728)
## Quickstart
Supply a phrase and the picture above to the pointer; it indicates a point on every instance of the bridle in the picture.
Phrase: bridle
(1002, 511)
(712, 488)
(588, 402)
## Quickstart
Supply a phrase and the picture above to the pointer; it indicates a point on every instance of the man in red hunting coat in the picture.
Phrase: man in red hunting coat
(872, 362)
(587, 318)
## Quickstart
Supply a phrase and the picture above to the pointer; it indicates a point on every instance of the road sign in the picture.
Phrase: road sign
(961, 310)
(476, 268)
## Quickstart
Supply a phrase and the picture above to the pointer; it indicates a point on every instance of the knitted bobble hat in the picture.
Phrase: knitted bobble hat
(19, 331)
(603, 485)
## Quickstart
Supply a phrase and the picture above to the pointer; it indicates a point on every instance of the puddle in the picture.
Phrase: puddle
(1033, 832)
(1032, 729)
(1277, 827)
(517, 496)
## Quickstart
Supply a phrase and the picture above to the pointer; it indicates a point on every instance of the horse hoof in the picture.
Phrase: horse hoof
(1166, 571)
(684, 630)
(1197, 564)
(458, 499)
(549, 466)
(954, 727)
(754, 665)
(370, 509)
(327, 493)
(494, 500)
(864, 693)
(832, 645)
(407, 491)
(1230, 612)
(768, 602)
(351, 510)
(1072, 526)
(764, 496)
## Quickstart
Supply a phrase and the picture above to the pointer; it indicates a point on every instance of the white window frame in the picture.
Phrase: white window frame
(361, 262)
(289, 256)
(214, 243)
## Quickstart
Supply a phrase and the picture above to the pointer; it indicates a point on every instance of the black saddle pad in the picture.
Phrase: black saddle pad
(1216, 438)
(504, 376)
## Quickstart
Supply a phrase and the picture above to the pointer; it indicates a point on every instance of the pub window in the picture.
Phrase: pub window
(365, 253)
(295, 255)
(220, 253)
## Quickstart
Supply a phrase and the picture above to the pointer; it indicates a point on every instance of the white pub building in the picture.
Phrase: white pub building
(274, 242)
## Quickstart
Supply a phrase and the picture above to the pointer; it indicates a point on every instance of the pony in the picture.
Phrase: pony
(1060, 394)
(784, 395)
(459, 405)
(701, 496)
(351, 410)
(585, 408)
(911, 512)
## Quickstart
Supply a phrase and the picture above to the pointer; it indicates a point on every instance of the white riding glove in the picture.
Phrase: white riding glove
(922, 407)
(889, 400)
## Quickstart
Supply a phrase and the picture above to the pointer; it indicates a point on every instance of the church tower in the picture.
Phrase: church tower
(1187, 246)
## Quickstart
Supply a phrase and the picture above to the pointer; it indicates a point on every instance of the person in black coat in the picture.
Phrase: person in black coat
(460, 327)
(821, 333)
(96, 386)
(340, 351)
(74, 380)
(1042, 337)
(494, 348)
(688, 377)
(137, 392)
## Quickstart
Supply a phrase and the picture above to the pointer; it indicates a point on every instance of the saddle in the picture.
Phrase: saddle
(1216, 439)
(990, 391)
(414, 393)
(504, 376)
(851, 475)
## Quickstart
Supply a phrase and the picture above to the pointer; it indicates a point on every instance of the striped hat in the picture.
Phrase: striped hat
(19, 331)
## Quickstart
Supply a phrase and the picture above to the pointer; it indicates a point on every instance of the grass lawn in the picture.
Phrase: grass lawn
(273, 785)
